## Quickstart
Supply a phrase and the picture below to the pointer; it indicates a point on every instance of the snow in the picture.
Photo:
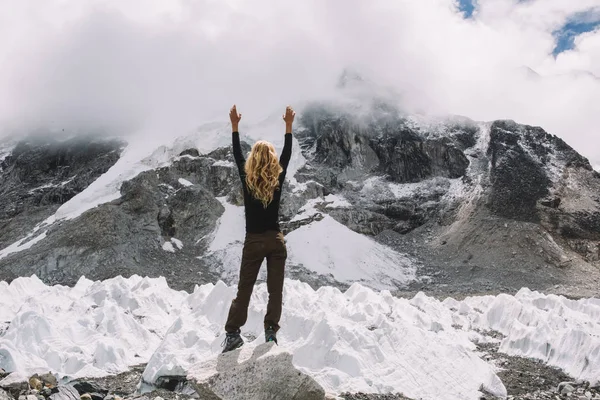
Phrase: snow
(337, 201)
(230, 227)
(5, 151)
(310, 208)
(52, 185)
(92, 329)
(330, 248)
(22, 244)
(185, 182)
(358, 340)
(178, 243)
(307, 210)
(223, 163)
(168, 246)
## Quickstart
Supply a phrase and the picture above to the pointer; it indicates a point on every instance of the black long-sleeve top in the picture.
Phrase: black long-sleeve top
(258, 218)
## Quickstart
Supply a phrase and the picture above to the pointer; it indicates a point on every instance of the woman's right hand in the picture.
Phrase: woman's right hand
(235, 118)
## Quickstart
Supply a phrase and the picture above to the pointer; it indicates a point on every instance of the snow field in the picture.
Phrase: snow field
(358, 340)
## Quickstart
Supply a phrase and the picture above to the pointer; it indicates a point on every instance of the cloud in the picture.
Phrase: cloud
(166, 66)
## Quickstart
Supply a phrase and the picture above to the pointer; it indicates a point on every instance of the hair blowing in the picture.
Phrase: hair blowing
(262, 172)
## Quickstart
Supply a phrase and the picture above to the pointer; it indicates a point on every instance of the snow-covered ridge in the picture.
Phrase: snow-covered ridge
(360, 340)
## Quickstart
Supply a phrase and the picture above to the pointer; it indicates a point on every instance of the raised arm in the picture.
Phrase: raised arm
(286, 154)
(235, 139)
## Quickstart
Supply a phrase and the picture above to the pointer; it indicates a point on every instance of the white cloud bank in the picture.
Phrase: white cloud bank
(167, 66)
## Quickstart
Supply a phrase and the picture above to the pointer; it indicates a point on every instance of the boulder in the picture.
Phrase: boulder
(4, 395)
(263, 372)
(66, 392)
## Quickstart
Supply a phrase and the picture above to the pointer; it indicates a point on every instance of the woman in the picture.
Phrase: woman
(262, 178)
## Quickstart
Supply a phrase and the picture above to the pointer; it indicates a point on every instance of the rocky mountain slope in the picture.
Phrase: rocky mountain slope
(449, 205)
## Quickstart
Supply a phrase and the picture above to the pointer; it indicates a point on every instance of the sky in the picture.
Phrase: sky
(160, 67)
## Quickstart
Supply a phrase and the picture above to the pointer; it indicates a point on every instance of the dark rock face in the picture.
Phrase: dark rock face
(385, 145)
(415, 160)
(40, 175)
(518, 180)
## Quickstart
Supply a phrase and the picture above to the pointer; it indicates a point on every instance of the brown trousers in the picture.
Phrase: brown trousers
(257, 247)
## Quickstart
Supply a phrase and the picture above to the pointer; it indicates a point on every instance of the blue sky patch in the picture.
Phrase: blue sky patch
(580, 23)
(466, 7)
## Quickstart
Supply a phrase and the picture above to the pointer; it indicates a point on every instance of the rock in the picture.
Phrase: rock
(178, 384)
(36, 383)
(267, 373)
(567, 389)
(17, 389)
(49, 380)
(84, 387)
(31, 397)
(86, 396)
(4, 395)
(190, 152)
(66, 392)
(41, 174)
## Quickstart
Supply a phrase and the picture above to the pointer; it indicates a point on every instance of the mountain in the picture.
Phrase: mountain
(393, 201)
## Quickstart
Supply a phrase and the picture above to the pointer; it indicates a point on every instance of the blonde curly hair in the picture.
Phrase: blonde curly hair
(262, 171)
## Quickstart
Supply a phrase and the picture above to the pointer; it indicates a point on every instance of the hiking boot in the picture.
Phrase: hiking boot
(232, 341)
(270, 335)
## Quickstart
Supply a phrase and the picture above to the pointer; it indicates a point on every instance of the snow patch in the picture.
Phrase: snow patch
(223, 163)
(172, 245)
(330, 248)
(178, 243)
(22, 244)
(5, 152)
(168, 246)
(337, 201)
(307, 210)
(185, 182)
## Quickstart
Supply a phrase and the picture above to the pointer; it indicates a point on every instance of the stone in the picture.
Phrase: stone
(567, 389)
(177, 383)
(36, 383)
(263, 373)
(84, 387)
(5, 395)
(16, 389)
(49, 380)
(31, 397)
(86, 396)
(67, 392)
